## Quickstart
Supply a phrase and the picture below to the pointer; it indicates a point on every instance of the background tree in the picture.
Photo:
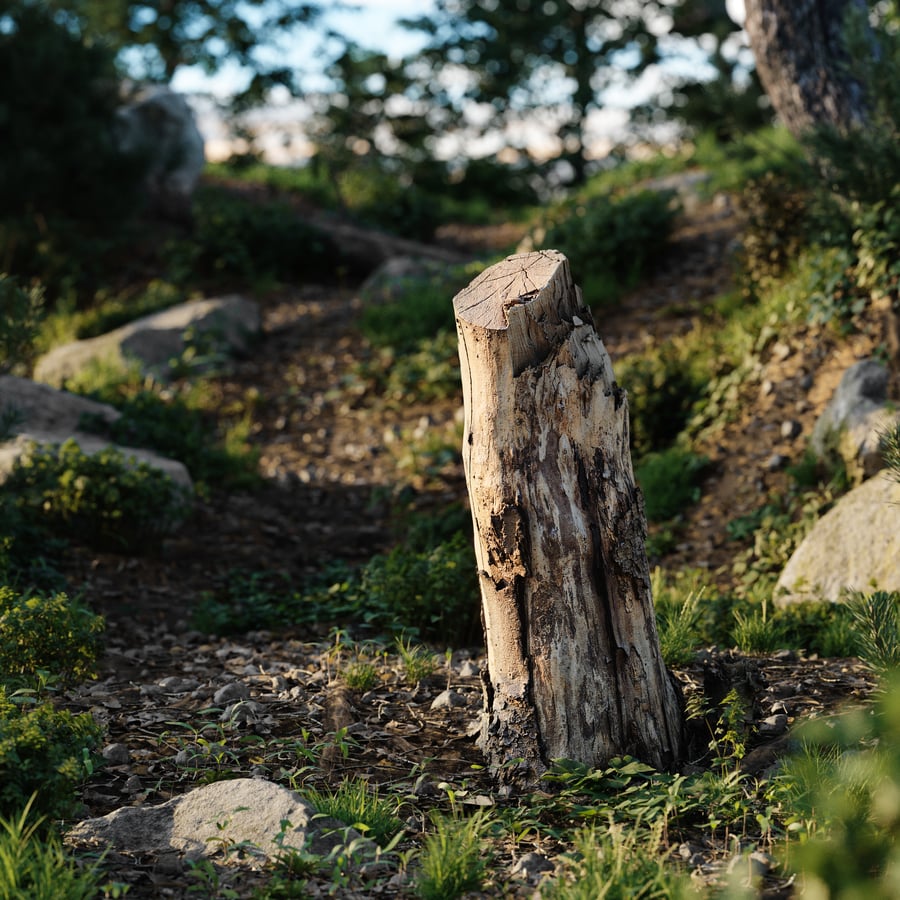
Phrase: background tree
(730, 103)
(519, 57)
(153, 39)
(803, 62)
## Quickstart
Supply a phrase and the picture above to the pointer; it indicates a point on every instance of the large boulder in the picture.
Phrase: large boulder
(43, 415)
(855, 419)
(159, 125)
(262, 817)
(855, 546)
(218, 325)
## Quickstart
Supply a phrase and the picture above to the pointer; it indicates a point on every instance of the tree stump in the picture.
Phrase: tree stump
(574, 667)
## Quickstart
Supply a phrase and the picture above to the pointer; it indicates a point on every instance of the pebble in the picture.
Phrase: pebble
(133, 785)
(468, 669)
(776, 461)
(237, 690)
(447, 700)
(116, 754)
(790, 429)
(774, 725)
(531, 866)
(766, 388)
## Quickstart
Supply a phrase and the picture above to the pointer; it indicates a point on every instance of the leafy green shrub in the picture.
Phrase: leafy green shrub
(65, 188)
(611, 241)
(167, 423)
(100, 499)
(669, 481)
(19, 322)
(663, 388)
(33, 863)
(55, 633)
(432, 594)
(44, 752)
(235, 239)
(841, 794)
(775, 229)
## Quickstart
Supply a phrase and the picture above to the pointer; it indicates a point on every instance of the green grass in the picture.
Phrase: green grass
(357, 803)
(454, 857)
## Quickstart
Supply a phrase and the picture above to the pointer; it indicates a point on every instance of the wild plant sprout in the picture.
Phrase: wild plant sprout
(890, 450)
(876, 621)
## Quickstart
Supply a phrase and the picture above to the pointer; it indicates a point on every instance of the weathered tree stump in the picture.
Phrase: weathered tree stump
(574, 666)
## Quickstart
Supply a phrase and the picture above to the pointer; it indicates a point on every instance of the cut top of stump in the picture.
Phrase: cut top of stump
(516, 280)
(529, 301)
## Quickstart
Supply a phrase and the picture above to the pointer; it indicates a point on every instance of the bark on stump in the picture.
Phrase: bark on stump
(574, 666)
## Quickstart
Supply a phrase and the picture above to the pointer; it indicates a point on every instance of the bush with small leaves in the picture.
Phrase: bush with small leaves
(102, 499)
(611, 240)
(51, 633)
(18, 325)
(44, 752)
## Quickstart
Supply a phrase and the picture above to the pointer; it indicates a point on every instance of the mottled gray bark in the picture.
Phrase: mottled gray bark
(802, 61)
(574, 667)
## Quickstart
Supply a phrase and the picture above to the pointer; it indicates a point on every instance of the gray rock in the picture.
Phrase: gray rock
(531, 867)
(116, 754)
(774, 725)
(237, 690)
(228, 323)
(448, 700)
(790, 429)
(223, 813)
(853, 546)
(47, 416)
(855, 418)
(160, 125)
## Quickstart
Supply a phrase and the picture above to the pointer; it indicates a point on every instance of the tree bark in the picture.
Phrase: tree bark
(801, 60)
(574, 667)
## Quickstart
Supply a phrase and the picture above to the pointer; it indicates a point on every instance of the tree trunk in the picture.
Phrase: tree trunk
(801, 60)
(574, 667)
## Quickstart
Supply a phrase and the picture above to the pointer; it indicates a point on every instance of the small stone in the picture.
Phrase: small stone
(242, 711)
(468, 669)
(778, 708)
(776, 461)
(237, 690)
(530, 867)
(766, 388)
(774, 725)
(116, 754)
(133, 785)
(790, 429)
(781, 351)
(183, 758)
(448, 700)
(175, 684)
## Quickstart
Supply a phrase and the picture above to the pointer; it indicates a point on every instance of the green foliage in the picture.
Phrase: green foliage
(34, 865)
(669, 481)
(678, 632)
(453, 860)
(890, 450)
(19, 322)
(52, 633)
(876, 621)
(418, 661)
(58, 96)
(100, 499)
(776, 528)
(611, 240)
(617, 863)
(841, 795)
(235, 239)
(357, 803)
(429, 593)
(663, 385)
(44, 752)
(775, 229)
(177, 426)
